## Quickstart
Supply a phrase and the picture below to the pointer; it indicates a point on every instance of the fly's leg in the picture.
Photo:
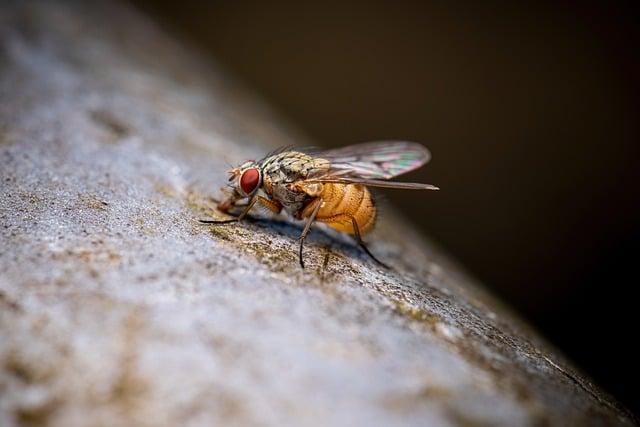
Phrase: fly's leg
(217, 222)
(229, 221)
(307, 227)
(229, 202)
(358, 237)
(272, 205)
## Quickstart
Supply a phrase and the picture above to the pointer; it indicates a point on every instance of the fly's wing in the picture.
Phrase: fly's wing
(374, 163)
(378, 160)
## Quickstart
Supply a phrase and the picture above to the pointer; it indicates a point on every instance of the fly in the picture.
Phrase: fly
(329, 186)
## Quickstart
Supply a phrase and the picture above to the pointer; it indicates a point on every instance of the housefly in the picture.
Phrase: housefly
(331, 187)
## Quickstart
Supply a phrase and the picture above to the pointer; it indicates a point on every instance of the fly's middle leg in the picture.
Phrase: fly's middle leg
(310, 219)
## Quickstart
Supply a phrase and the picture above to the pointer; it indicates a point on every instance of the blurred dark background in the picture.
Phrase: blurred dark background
(530, 110)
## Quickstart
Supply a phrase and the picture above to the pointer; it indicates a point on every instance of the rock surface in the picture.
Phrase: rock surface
(118, 308)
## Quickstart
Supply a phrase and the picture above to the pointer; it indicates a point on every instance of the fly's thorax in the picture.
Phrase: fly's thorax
(292, 200)
(284, 176)
(292, 166)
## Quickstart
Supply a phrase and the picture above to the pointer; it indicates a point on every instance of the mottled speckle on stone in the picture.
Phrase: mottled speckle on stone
(118, 308)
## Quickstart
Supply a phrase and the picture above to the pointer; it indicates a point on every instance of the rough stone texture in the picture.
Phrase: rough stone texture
(117, 308)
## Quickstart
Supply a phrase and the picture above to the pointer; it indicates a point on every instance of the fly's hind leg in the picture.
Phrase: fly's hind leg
(358, 237)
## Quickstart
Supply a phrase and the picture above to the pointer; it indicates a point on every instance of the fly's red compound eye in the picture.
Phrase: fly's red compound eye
(249, 180)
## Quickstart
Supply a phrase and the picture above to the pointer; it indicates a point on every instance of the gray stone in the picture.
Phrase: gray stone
(118, 308)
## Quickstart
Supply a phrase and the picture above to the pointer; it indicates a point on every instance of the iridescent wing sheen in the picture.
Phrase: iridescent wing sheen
(378, 160)
(374, 163)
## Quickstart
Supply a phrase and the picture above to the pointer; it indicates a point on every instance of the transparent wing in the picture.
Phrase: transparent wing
(378, 160)
(373, 163)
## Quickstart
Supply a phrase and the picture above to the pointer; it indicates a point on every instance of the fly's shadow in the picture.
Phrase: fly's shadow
(319, 236)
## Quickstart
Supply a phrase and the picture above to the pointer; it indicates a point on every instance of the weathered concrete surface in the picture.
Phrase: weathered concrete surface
(117, 308)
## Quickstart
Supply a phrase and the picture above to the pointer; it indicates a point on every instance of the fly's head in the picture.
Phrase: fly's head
(245, 179)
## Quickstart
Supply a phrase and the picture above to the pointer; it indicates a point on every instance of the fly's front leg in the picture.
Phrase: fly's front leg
(272, 205)
(228, 204)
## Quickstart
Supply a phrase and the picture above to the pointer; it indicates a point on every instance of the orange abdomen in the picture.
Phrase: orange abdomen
(342, 202)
